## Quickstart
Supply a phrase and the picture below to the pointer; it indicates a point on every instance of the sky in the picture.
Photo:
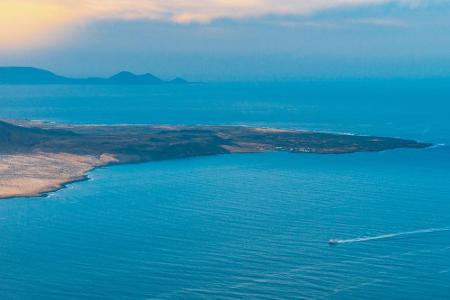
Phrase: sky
(229, 40)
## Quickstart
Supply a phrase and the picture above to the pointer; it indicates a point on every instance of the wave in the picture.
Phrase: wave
(391, 235)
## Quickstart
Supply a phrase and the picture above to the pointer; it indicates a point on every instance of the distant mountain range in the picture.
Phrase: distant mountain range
(27, 75)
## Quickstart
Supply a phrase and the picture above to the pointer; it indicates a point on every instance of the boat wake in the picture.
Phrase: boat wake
(438, 145)
(387, 236)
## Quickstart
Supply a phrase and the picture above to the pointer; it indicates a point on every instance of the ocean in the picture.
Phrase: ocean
(250, 226)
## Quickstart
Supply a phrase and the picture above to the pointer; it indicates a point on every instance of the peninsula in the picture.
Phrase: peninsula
(39, 157)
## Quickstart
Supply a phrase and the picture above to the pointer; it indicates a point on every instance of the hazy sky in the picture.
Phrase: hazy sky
(229, 39)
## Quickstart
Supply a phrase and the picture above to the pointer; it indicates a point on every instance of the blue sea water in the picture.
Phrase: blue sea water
(250, 226)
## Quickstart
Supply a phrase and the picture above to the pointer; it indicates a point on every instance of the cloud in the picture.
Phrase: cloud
(385, 22)
(184, 11)
(26, 23)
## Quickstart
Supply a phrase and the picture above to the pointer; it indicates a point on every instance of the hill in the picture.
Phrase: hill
(28, 75)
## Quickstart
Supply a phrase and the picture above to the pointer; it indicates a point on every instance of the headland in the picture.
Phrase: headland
(40, 157)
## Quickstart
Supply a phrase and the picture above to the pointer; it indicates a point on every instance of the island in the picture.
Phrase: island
(35, 76)
(40, 157)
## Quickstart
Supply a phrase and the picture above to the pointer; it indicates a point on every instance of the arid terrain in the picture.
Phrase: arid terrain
(39, 157)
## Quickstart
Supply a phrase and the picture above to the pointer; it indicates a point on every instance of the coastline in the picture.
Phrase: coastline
(45, 193)
(63, 183)
(37, 175)
(41, 158)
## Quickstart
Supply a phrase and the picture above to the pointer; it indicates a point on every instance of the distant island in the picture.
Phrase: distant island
(34, 76)
(39, 157)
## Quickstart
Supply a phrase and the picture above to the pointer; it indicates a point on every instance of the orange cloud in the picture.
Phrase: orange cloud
(30, 23)
(26, 23)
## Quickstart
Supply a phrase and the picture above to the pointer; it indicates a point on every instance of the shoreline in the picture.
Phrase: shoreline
(38, 158)
(63, 184)
(45, 194)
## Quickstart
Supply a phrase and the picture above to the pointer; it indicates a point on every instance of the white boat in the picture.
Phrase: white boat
(333, 242)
